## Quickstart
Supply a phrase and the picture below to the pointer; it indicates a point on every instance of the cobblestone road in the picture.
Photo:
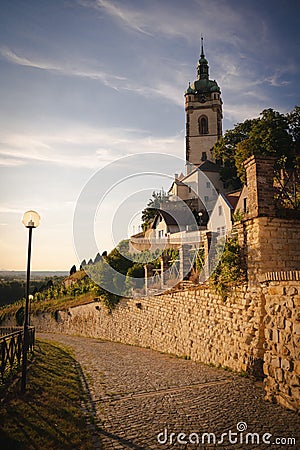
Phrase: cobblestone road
(138, 393)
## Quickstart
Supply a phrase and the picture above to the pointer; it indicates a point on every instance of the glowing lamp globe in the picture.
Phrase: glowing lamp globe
(31, 219)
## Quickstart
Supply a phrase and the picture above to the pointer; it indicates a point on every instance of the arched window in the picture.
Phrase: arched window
(203, 125)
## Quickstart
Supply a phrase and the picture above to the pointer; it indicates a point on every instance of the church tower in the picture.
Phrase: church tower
(203, 106)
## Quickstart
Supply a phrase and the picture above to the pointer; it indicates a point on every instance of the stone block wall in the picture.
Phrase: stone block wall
(260, 180)
(269, 243)
(196, 324)
(282, 335)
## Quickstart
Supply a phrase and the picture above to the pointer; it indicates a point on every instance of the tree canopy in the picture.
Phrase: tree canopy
(155, 203)
(272, 133)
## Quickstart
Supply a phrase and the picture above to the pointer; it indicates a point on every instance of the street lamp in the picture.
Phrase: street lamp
(200, 214)
(31, 219)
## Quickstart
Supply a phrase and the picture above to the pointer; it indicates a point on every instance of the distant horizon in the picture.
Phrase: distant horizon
(33, 271)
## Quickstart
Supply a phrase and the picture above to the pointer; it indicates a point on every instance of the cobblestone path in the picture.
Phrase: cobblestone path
(139, 395)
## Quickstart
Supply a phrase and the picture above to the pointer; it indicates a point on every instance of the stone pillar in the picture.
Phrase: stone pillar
(185, 262)
(162, 277)
(209, 243)
(260, 183)
(146, 279)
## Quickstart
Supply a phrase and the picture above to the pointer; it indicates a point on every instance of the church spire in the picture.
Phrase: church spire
(202, 51)
(203, 67)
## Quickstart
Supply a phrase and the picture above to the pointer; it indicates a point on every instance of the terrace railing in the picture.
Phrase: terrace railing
(11, 345)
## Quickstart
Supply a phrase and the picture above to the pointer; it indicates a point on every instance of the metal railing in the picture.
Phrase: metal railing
(175, 238)
(11, 346)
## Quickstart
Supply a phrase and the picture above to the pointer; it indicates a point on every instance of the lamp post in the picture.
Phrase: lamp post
(31, 219)
(200, 214)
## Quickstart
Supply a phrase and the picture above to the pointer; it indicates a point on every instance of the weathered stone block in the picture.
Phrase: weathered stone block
(292, 290)
(275, 362)
(279, 375)
(295, 394)
(286, 402)
(280, 322)
(294, 380)
(296, 328)
(297, 367)
(285, 364)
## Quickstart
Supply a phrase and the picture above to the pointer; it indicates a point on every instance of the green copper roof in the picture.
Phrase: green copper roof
(190, 90)
(203, 85)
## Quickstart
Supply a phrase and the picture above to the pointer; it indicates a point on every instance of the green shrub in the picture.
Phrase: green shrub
(230, 269)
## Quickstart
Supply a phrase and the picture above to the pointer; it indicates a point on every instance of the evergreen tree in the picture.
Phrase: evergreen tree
(73, 270)
(97, 258)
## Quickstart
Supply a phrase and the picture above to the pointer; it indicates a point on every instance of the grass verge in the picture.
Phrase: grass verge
(50, 414)
(61, 303)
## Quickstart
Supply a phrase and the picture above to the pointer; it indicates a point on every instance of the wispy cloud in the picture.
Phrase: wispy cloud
(84, 147)
(176, 19)
(10, 162)
(105, 77)
(132, 18)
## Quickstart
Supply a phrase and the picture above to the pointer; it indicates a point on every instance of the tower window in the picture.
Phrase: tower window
(203, 125)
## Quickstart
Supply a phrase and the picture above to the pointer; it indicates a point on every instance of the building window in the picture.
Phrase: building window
(208, 185)
(206, 199)
(204, 156)
(220, 210)
(245, 205)
(203, 125)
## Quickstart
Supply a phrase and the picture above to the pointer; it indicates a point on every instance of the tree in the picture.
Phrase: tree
(83, 263)
(97, 258)
(293, 119)
(272, 134)
(73, 270)
(155, 203)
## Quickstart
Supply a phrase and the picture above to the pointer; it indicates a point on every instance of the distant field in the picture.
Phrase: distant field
(35, 275)
(13, 284)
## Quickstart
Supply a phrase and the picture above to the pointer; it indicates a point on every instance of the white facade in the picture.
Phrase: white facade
(220, 220)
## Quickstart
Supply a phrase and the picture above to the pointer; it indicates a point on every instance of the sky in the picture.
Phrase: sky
(86, 82)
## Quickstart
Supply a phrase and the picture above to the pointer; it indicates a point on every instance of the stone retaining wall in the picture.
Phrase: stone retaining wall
(256, 330)
(282, 346)
(196, 324)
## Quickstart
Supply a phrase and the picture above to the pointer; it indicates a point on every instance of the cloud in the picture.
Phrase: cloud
(85, 147)
(7, 210)
(11, 162)
(106, 78)
(132, 18)
(177, 19)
